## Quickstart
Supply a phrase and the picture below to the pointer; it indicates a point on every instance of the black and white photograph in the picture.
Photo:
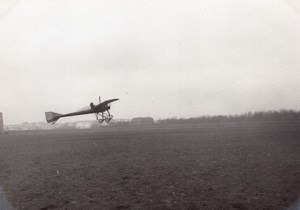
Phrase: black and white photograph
(149, 105)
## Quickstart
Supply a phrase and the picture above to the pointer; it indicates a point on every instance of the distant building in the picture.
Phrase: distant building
(83, 125)
(1, 123)
(142, 121)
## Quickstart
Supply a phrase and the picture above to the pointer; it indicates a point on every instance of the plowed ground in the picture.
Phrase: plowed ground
(221, 167)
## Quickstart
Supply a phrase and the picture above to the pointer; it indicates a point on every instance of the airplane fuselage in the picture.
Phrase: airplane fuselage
(95, 109)
(100, 109)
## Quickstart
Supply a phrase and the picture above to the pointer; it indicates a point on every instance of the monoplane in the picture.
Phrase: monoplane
(101, 111)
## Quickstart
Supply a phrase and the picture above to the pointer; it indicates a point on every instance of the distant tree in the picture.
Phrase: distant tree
(262, 116)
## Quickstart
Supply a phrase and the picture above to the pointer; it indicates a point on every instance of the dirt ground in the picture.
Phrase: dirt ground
(221, 167)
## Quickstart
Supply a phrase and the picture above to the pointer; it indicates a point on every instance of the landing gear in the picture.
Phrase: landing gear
(103, 116)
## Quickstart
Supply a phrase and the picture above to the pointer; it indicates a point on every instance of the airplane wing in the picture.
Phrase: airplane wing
(108, 102)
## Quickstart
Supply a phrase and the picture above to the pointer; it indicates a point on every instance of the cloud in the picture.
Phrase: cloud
(183, 58)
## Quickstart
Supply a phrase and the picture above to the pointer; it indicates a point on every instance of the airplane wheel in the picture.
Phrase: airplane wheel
(107, 120)
(100, 121)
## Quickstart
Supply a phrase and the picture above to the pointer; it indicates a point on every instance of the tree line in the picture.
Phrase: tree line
(263, 116)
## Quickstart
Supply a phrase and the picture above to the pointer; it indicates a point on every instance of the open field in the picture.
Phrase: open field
(221, 167)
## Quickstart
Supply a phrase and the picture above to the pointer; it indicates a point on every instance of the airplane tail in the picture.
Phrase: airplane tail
(52, 117)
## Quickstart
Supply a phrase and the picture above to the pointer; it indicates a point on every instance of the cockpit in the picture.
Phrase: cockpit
(92, 105)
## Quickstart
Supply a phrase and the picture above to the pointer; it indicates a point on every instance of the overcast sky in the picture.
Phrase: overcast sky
(183, 58)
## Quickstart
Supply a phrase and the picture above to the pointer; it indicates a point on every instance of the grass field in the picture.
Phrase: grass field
(221, 167)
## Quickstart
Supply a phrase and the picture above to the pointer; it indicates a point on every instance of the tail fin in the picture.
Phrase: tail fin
(52, 117)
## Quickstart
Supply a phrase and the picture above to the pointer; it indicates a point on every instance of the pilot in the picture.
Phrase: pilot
(92, 105)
